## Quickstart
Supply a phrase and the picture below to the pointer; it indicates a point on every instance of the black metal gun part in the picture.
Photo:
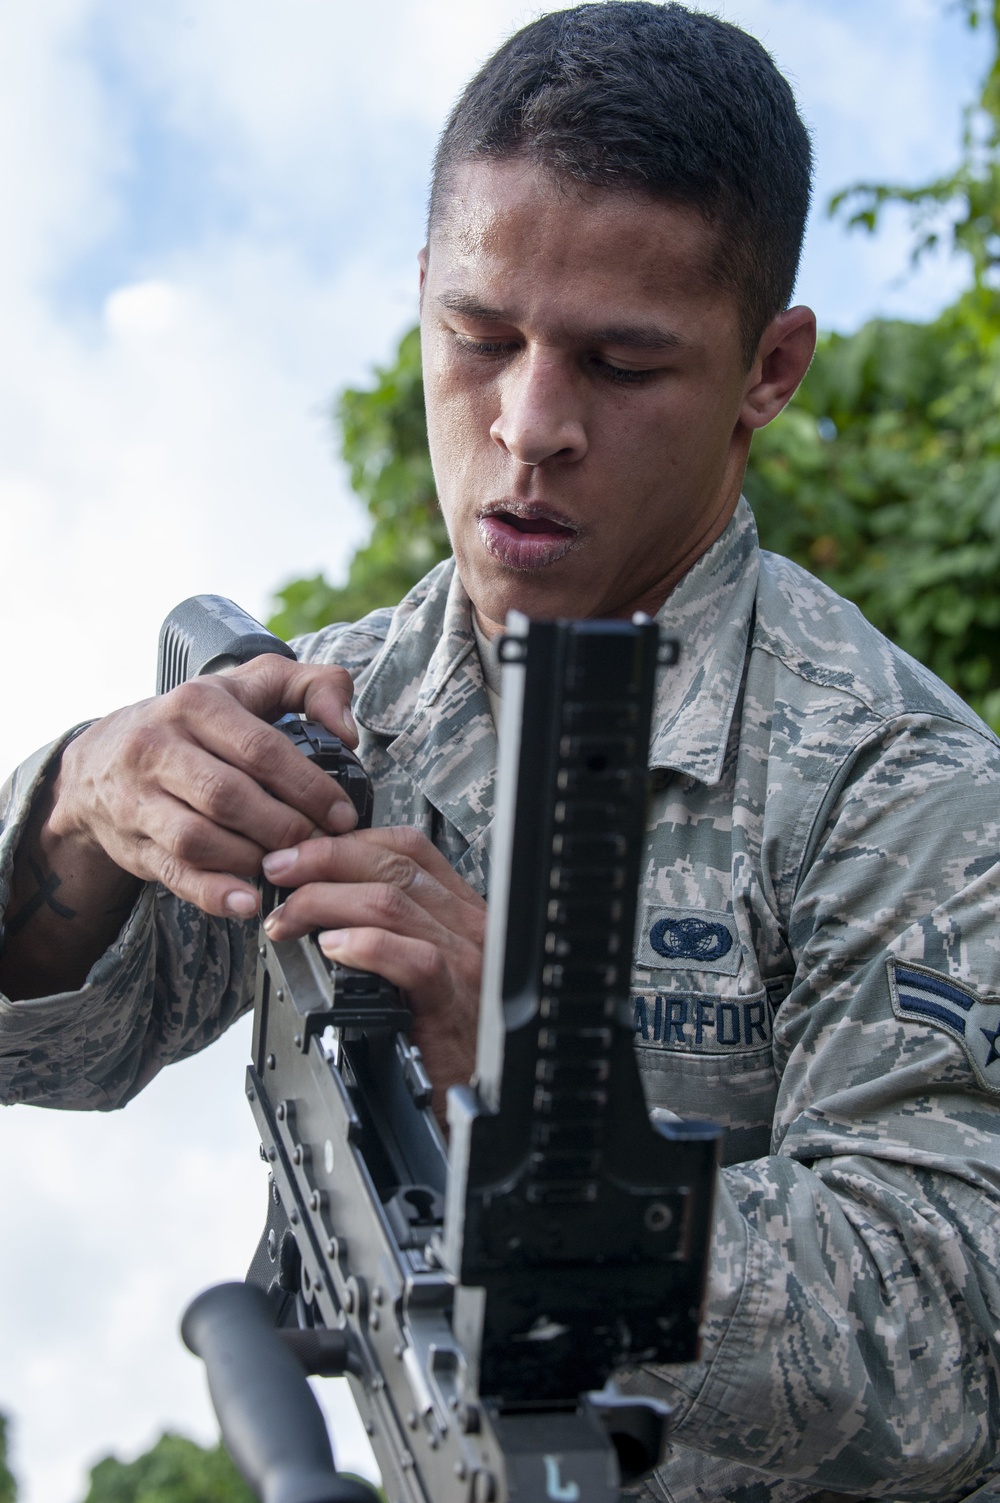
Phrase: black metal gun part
(481, 1302)
(581, 1226)
(273, 1427)
(207, 633)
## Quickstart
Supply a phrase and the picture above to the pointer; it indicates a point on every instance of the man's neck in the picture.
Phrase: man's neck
(489, 658)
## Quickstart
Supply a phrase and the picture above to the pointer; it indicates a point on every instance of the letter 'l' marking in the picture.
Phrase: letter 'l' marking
(557, 1490)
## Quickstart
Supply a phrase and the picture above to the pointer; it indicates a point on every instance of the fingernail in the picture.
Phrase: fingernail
(277, 863)
(269, 922)
(241, 903)
(332, 941)
(350, 722)
(342, 816)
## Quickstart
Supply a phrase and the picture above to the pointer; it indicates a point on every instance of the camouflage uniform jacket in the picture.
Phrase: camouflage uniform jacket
(817, 967)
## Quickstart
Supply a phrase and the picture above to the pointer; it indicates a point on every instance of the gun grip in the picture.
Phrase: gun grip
(270, 1421)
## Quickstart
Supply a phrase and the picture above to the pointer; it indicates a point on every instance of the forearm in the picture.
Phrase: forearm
(855, 1296)
(106, 977)
(170, 983)
(68, 901)
(846, 1336)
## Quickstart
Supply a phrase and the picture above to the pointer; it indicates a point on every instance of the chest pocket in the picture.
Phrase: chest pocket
(703, 1025)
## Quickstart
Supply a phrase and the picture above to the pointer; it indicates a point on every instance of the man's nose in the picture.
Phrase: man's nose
(540, 411)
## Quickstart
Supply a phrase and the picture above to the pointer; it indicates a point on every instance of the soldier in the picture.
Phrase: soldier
(614, 229)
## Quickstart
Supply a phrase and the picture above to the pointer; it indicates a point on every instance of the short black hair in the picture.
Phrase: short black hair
(663, 100)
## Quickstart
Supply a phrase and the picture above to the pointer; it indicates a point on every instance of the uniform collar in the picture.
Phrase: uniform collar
(438, 718)
(711, 613)
(426, 693)
(429, 640)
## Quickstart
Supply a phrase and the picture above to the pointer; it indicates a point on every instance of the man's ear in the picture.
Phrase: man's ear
(782, 359)
(422, 263)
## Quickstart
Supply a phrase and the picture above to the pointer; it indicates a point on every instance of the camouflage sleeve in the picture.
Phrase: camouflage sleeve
(173, 980)
(853, 1332)
(171, 983)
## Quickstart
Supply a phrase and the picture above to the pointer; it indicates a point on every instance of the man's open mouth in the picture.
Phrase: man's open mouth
(526, 538)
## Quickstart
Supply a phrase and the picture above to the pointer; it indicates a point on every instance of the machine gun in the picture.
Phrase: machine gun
(478, 1295)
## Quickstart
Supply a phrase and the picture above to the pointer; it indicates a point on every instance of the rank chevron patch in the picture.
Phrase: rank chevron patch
(924, 996)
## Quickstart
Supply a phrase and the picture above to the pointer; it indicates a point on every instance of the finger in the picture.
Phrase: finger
(406, 842)
(414, 965)
(233, 801)
(207, 715)
(444, 1023)
(398, 856)
(326, 905)
(184, 836)
(411, 902)
(215, 892)
(270, 686)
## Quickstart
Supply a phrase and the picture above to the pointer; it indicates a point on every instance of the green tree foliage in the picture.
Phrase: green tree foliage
(8, 1486)
(384, 441)
(176, 1470)
(882, 476)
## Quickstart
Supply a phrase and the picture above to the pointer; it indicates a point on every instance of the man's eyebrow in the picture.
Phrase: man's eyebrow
(639, 336)
(633, 336)
(464, 302)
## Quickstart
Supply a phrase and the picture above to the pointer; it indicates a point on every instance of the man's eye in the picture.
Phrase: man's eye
(482, 346)
(620, 374)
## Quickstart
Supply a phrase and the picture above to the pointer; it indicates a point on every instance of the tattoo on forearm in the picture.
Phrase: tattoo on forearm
(44, 897)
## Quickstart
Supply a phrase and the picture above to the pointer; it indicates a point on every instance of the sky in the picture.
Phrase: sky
(211, 215)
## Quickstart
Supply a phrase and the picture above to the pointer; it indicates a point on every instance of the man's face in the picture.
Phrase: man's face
(584, 385)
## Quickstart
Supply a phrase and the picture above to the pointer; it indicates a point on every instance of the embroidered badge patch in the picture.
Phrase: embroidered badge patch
(925, 996)
(688, 939)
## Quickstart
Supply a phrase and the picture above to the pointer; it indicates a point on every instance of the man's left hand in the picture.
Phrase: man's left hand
(387, 901)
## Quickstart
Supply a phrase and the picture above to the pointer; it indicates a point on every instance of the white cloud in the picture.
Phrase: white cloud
(143, 310)
(183, 446)
(209, 229)
(882, 89)
(114, 1223)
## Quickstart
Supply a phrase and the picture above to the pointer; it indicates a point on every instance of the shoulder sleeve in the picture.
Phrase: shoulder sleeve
(853, 1334)
(173, 980)
(355, 645)
(349, 644)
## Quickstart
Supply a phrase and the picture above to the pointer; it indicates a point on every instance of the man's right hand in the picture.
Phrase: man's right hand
(171, 790)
